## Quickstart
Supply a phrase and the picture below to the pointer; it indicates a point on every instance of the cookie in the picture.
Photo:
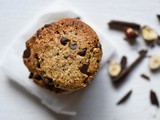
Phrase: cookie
(63, 56)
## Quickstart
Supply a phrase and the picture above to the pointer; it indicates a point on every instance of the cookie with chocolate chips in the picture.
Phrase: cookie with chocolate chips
(63, 56)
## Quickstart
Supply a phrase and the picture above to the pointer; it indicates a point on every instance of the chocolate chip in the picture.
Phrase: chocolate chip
(153, 98)
(48, 81)
(158, 16)
(64, 41)
(31, 75)
(26, 53)
(38, 33)
(145, 77)
(82, 52)
(38, 77)
(125, 98)
(73, 46)
(47, 25)
(84, 68)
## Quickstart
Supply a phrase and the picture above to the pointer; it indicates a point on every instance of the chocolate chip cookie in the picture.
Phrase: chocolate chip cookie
(63, 56)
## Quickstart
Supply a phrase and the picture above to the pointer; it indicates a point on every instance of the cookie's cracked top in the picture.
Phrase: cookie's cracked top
(63, 55)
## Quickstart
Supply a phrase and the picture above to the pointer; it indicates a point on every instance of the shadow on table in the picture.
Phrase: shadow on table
(36, 101)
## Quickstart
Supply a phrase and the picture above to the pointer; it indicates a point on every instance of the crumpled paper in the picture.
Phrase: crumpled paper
(14, 68)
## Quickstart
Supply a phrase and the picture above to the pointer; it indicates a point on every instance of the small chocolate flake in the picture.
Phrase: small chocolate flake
(47, 25)
(26, 53)
(123, 62)
(38, 65)
(31, 75)
(82, 52)
(84, 68)
(73, 46)
(153, 98)
(38, 77)
(125, 98)
(85, 80)
(145, 77)
(64, 41)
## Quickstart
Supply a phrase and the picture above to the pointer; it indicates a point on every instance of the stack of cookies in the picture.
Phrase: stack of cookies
(63, 56)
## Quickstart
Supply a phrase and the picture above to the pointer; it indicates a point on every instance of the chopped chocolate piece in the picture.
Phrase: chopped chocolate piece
(78, 17)
(73, 46)
(123, 62)
(85, 80)
(38, 77)
(26, 53)
(125, 98)
(82, 52)
(31, 75)
(158, 16)
(120, 25)
(125, 72)
(38, 65)
(153, 98)
(47, 25)
(84, 68)
(64, 41)
(145, 77)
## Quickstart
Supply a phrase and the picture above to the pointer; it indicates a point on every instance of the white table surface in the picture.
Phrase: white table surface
(17, 104)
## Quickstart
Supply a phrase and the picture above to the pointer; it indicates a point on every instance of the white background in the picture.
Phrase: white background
(17, 104)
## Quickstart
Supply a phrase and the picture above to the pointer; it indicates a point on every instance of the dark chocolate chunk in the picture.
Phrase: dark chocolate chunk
(64, 41)
(125, 72)
(73, 46)
(38, 33)
(31, 75)
(26, 53)
(145, 76)
(38, 77)
(120, 25)
(125, 98)
(82, 52)
(85, 80)
(47, 25)
(84, 68)
(123, 62)
(153, 98)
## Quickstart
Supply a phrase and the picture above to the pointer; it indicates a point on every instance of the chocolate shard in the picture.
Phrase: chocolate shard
(122, 26)
(125, 98)
(123, 62)
(125, 72)
(153, 98)
(145, 77)
(77, 17)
